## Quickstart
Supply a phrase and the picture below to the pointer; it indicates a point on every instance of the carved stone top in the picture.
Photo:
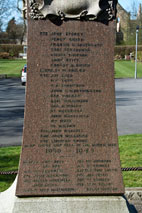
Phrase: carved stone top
(99, 10)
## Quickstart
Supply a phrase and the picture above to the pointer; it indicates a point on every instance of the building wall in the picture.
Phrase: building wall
(125, 24)
(123, 18)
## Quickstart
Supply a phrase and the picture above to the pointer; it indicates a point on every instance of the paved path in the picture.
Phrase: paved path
(129, 106)
(12, 99)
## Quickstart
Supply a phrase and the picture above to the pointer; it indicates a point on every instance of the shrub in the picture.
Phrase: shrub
(12, 49)
(121, 51)
(140, 56)
(4, 55)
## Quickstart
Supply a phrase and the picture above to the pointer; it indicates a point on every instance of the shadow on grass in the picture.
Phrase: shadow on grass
(11, 163)
(6, 181)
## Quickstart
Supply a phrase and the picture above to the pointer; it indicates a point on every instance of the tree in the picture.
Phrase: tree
(22, 8)
(136, 19)
(11, 29)
(4, 38)
(15, 31)
(133, 10)
(6, 7)
(21, 30)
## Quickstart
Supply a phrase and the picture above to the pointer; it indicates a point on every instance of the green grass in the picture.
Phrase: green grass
(126, 69)
(123, 69)
(130, 155)
(9, 160)
(12, 68)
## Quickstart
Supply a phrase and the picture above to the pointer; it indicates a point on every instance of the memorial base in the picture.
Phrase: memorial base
(9, 203)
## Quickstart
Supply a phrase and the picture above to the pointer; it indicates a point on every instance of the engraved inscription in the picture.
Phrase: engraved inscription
(67, 99)
(69, 135)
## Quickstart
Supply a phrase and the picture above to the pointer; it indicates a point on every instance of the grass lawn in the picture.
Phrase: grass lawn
(9, 160)
(123, 69)
(126, 69)
(12, 68)
(130, 154)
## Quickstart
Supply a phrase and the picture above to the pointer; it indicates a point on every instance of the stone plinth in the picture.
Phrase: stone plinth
(100, 204)
(9, 203)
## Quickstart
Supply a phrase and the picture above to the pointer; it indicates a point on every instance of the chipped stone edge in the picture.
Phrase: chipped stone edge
(130, 193)
(133, 193)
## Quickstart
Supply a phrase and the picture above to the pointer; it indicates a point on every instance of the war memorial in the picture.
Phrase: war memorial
(70, 158)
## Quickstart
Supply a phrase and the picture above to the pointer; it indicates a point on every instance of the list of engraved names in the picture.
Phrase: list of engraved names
(65, 137)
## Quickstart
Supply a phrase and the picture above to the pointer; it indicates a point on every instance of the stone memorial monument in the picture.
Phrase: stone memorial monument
(70, 150)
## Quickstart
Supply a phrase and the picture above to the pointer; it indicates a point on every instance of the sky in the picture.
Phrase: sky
(127, 4)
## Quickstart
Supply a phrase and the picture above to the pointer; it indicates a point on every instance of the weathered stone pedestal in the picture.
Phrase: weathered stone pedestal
(70, 144)
(70, 158)
(9, 203)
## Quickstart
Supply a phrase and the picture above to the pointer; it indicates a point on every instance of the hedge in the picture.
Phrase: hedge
(12, 49)
(126, 50)
(4, 55)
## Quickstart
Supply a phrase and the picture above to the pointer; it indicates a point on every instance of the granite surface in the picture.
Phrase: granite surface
(70, 142)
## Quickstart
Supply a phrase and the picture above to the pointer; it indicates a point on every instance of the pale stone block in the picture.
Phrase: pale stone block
(9, 203)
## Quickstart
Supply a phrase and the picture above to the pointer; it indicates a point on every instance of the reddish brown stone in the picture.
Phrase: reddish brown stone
(70, 142)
